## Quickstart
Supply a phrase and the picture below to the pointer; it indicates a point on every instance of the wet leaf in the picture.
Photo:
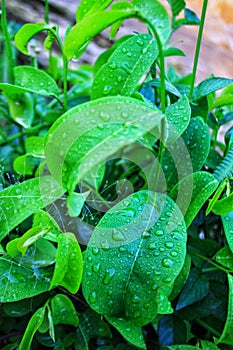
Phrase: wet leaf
(33, 325)
(86, 8)
(223, 206)
(129, 331)
(210, 85)
(207, 345)
(75, 203)
(69, 266)
(202, 185)
(227, 334)
(181, 278)
(227, 221)
(20, 107)
(125, 67)
(176, 6)
(225, 257)
(63, 311)
(142, 235)
(19, 201)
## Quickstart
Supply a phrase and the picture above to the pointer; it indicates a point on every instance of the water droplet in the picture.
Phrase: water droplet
(169, 245)
(109, 275)
(136, 299)
(112, 65)
(124, 115)
(152, 246)
(117, 235)
(174, 254)
(140, 42)
(168, 263)
(123, 50)
(104, 116)
(107, 89)
(95, 251)
(96, 267)
(93, 297)
(159, 233)
(126, 67)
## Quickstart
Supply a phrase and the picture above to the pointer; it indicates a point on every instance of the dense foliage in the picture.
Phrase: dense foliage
(116, 220)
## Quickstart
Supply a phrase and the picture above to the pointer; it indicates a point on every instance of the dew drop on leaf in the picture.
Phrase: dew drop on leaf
(109, 274)
(168, 263)
(93, 297)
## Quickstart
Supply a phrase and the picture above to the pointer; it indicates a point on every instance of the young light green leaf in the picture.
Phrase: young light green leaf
(19, 282)
(33, 325)
(36, 81)
(227, 221)
(178, 117)
(23, 166)
(207, 345)
(90, 26)
(19, 201)
(168, 86)
(20, 106)
(26, 33)
(63, 311)
(176, 6)
(194, 146)
(156, 16)
(110, 124)
(215, 197)
(195, 289)
(75, 203)
(69, 266)
(43, 219)
(34, 146)
(210, 85)
(126, 66)
(144, 234)
(86, 8)
(223, 206)
(227, 334)
(128, 330)
(203, 184)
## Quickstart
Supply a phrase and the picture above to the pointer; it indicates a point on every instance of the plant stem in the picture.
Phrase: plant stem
(198, 46)
(208, 328)
(21, 134)
(10, 60)
(209, 261)
(65, 69)
(46, 17)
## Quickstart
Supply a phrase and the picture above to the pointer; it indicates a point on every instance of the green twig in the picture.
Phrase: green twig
(198, 46)
(208, 328)
(65, 69)
(46, 17)
(7, 43)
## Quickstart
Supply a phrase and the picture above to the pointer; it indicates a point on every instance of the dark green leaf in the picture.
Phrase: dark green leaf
(63, 311)
(227, 221)
(172, 330)
(142, 235)
(183, 347)
(195, 289)
(156, 16)
(129, 331)
(69, 266)
(176, 6)
(19, 201)
(181, 278)
(202, 185)
(33, 325)
(20, 282)
(126, 66)
(210, 85)
(227, 334)
(90, 26)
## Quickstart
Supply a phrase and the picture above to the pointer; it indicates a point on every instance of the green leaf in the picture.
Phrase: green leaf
(22, 165)
(33, 325)
(215, 197)
(143, 235)
(90, 326)
(34, 145)
(207, 345)
(194, 146)
(110, 124)
(36, 81)
(224, 205)
(30, 237)
(75, 203)
(227, 334)
(129, 331)
(86, 8)
(183, 347)
(26, 33)
(173, 51)
(176, 6)
(210, 85)
(178, 116)
(168, 86)
(43, 219)
(202, 185)
(90, 26)
(225, 257)
(172, 330)
(126, 66)
(222, 101)
(181, 278)
(63, 311)
(20, 106)
(156, 16)
(19, 201)
(195, 289)
(227, 221)
(19, 282)
(69, 266)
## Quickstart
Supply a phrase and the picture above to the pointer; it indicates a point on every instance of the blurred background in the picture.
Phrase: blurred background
(216, 51)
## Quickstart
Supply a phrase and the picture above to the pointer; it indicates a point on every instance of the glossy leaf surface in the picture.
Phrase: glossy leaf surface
(85, 8)
(69, 266)
(203, 184)
(143, 234)
(227, 221)
(125, 67)
(19, 201)
(210, 85)
(223, 206)
(63, 311)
